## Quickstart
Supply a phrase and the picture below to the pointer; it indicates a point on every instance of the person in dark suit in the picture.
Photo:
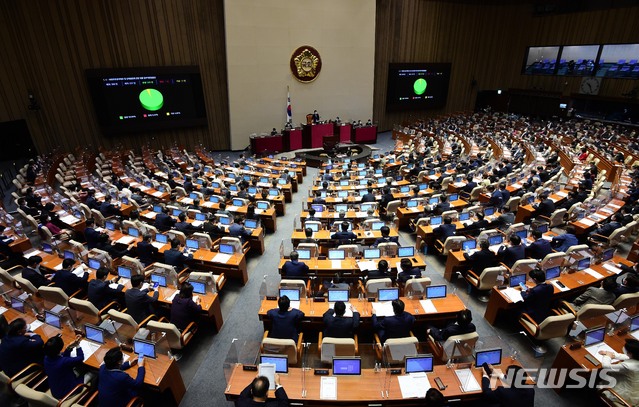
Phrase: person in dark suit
(34, 274)
(115, 387)
(67, 281)
(482, 258)
(496, 200)
(22, 204)
(284, 320)
(344, 235)
(138, 301)
(163, 221)
(316, 117)
(19, 348)
(256, 394)
(537, 299)
(184, 226)
(59, 366)
(91, 202)
(607, 229)
(338, 326)
(90, 234)
(408, 271)
(517, 393)
(107, 208)
(308, 232)
(184, 309)
(477, 226)
(463, 325)
(145, 250)
(563, 242)
(236, 229)
(629, 285)
(396, 326)
(174, 257)
(386, 198)
(381, 272)
(516, 251)
(442, 206)
(99, 292)
(544, 208)
(369, 197)
(539, 248)
(385, 231)
(294, 268)
(446, 230)
(505, 194)
(470, 185)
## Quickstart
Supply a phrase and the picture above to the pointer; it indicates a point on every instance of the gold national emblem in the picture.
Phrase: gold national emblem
(306, 64)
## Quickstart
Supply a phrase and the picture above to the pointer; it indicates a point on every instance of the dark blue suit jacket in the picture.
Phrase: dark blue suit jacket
(146, 252)
(116, 388)
(108, 209)
(384, 240)
(507, 396)
(451, 329)
(138, 302)
(480, 260)
(537, 301)
(339, 327)
(91, 235)
(284, 324)
(444, 231)
(396, 326)
(18, 352)
(539, 249)
(237, 230)
(69, 282)
(100, 294)
(164, 222)
(406, 275)
(60, 373)
(36, 278)
(341, 236)
(175, 258)
(295, 269)
(368, 198)
(509, 255)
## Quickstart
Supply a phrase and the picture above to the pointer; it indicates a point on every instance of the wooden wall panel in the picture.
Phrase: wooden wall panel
(486, 43)
(47, 45)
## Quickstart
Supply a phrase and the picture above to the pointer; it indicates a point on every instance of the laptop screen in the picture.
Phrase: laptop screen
(313, 226)
(412, 204)
(134, 232)
(46, 247)
(377, 225)
(407, 251)
(158, 278)
(608, 254)
(238, 202)
(160, 238)
(293, 294)
(342, 194)
(583, 263)
(198, 287)
(193, 195)
(52, 319)
(372, 253)
(464, 216)
(517, 279)
(497, 239)
(157, 208)
(109, 226)
(318, 207)
(280, 362)
(336, 254)
(225, 220)
(490, 356)
(214, 199)
(433, 201)
(68, 254)
(200, 216)
(341, 208)
(94, 333)
(453, 197)
(337, 295)
(144, 348)
(594, 336)
(304, 254)
(347, 366)
(543, 228)
(344, 182)
(436, 291)
(469, 245)
(17, 304)
(273, 192)
(94, 264)
(226, 248)
(250, 223)
(435, 220)
(192, 244)
(419, 363)
(523, 234)
(176, 212)
(423, 187)
(634, 323)
(404, 189)
(365, 207)
(388, 294)
(262, 205)
(489, 211)
(553, 272)
(124, 272)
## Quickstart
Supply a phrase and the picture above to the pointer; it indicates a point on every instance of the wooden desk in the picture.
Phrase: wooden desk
(526, 211)
(584, 225)
(323, 237)
(349, 267)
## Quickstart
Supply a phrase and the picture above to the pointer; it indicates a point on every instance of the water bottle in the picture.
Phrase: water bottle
(263, 288)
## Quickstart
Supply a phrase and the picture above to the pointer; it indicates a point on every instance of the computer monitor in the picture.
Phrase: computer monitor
(315, 227)
(489, 211)
(78, 214)
(336, 294)
(233, 188)
(523, 234)
(464, 216)
(453, 197)
(226, 248)
(144, 348)
(273, 192)
(379, 171)
(176, 212)
(362, 174)
(200, 216)
(214, 199)
(436, 291)
(47, 248)
(543, 228)
(109, 226)
(124, 272)
(388, 294)
(469, 245)
(280, 362)
(634, 322)
(377, 225)
(293, 294)
(237, 202)
(362, 192)
(553, 272)
(225, 220)
(490, 356)
(531, 199)
(404, 188)
(583, 263)
(365, 207)
(341, 208)
(69, 254)
(282, 181)
(406, 251)
(160, 238)
(347, 366)
(342, 194)
(433, 201)
(158, 278)
(250, 223)
(336, 254)
(594, 336)
(53, 319)
(157, 208)
(252, 190)
(304, 254)
(418, 364)
(17, 304)
(344, 182)
(608, 254)
(94, 264)
(517, 279)
(435, 220)
(412, 203)
(134, 232)
(262, 205)
(198, 287)
(318, 207)
(193, 195)
(94, 333)
(193, 244)
(495, 239)
(216, 184)
(372, 253)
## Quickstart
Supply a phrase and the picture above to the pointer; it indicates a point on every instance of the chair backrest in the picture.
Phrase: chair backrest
(45, 233)
(123, 318)
(98, 217)
(281, 347)
(422, 221)
(484, 235)
(336, 347)
(577, 248)
(593, 310)
(459, 346)
(350, 249)
(135, 264)
(268, 204)
(203, 238)
(616, 236)
(523, 266)
(452, 243)
(557, 217)
(488, 277)
(84, 307)
(204, 276)
(417, 286)
(233, 241)
(25, 285)
(553, 260)
(290, 283)
(313, 247)
(626, 301)
(555, 326)
(388, 248)
(171, 331)
(54, 294)
(396, 349)
(513, 203)
(176, 233)
(474, 194)
(392, 206)
(35, 398)
(6, 278)
(317, 223)
(373, 285)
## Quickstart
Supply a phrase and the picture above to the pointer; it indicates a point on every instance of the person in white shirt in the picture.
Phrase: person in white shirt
(625, 370)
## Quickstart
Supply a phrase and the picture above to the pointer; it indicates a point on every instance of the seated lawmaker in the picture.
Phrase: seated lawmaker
(115, 387)
(107, 209)
(482, 258)
(408, 271)
(537, 299)
(19, 348)
(60, 366)
(138, 301)
(295, 269)
(99, 292)
(539, 248)
(397, 326)
(603, 295)
(67, 281)
(256, 394)
(381, 272)
(145, 250)
(463, 325)
(184, 309)
(510, 254)
(34, 273)
(515, 393)
(563, 242)
(284, 320)
(629, 285)
(385, 231)
(446, 230)
(236, 229)
(163, 221)
(174, 257)
(336, 325)
(344, 235)
(607, 228)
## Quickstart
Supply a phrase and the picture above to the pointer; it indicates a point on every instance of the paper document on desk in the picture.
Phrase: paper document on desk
(69, 219)
(593, 273)
(125, 240)
(428, 306)
(295, 304)
(221, 258)
(383, 309)
(232, 208)
(554, 283)
(594, 350)
(79, 271)
(562, 194)
(614, 205)
(367, 265)
(114, 286)
(158, 245)
(328, 388)
(612, 268)
(88, 349)
(172, 296)
(197, 223)
(32, 253)
(267, 370)
(187, 201)
(150, 215)
(587, 222)
(467, 380)
(414, 385)
(3, 310)
(35, 325)
(513, 294)
(336, 264)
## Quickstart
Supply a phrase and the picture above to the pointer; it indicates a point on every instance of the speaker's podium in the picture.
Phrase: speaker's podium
(313, 134)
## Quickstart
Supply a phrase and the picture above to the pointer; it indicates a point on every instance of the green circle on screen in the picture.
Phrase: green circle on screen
(419, 86)
(151, 99)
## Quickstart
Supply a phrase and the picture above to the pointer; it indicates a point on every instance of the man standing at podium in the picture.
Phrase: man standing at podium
(316, 117)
